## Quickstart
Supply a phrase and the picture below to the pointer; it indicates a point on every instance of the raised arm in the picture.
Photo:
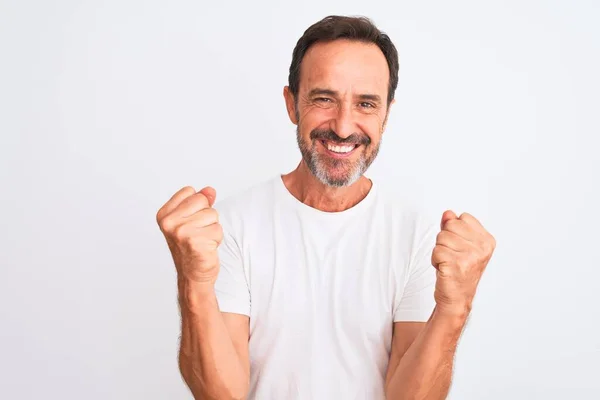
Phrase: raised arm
(422, 356)
(213, 357)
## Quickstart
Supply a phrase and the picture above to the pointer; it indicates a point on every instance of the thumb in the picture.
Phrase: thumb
(210, 193)
(447, 216)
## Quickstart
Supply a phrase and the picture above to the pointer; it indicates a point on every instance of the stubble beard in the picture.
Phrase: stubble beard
(323, 167)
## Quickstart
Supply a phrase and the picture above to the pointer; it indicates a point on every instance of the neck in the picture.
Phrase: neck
(304, 186)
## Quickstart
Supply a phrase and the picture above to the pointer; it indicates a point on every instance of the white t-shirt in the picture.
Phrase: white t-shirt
(322, 289)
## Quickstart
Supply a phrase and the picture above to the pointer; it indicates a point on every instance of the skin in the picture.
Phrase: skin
(343, 88)
(213, 354)
(342, 96)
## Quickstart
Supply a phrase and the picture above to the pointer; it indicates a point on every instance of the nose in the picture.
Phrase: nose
(343, 122)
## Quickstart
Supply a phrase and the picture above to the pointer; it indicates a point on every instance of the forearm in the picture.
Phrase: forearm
(208, 360)
(425, 370)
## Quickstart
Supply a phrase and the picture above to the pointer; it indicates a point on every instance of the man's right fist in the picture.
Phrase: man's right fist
(193, 233)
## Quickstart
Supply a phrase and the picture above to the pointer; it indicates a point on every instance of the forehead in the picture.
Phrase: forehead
(345, 65)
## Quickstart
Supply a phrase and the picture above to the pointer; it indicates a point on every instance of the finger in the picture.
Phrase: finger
(210, 235)
(210, 193)
(442, 254)
(451, 240)
(447, 216)
(201, 234)
(215, 231)
(469, 219)
(190, 206)
(204, 217)
(462, 229)
(174, 201)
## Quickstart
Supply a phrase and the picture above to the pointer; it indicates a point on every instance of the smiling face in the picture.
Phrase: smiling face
(341, 109)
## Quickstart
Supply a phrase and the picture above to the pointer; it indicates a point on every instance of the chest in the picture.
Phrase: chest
(325, 282)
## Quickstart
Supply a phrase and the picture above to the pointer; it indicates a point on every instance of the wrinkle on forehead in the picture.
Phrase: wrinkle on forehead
(348, 67)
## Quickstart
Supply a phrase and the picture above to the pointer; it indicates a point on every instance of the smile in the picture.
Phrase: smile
(337, 150)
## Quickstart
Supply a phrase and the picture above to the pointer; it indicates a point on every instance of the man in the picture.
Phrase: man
(315, 284)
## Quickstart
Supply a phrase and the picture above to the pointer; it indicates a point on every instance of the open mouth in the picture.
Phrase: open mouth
(339, 150)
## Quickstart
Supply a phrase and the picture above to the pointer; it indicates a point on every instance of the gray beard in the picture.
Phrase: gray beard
(320, 167)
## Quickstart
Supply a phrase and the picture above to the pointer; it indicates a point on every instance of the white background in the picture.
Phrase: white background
(108, 107)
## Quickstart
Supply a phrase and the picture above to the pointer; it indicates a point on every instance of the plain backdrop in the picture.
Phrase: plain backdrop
(109, 107)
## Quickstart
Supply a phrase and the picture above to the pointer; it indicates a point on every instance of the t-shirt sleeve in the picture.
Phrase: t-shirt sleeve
(417, 300)
(231, 287)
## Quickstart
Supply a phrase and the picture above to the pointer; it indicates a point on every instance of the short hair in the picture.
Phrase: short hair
(335, 27)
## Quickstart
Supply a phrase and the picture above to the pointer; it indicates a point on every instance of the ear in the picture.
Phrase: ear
(290, 104)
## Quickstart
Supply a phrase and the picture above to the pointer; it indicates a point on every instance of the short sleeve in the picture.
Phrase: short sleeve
(417, 301)
(231, 287)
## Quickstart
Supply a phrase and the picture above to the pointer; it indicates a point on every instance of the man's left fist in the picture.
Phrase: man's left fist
(462, 251)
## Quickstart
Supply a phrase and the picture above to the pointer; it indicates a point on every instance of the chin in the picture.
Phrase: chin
(333, 179)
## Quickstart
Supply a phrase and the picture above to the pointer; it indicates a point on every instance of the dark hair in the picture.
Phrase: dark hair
(336, 27)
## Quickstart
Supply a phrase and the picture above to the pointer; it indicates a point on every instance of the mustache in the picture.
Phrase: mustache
(331, 136)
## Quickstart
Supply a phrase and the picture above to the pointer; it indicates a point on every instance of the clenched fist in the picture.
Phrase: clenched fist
(462, 251)
(193, 233)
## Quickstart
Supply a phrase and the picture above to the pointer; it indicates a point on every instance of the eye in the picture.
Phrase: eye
(366, 104)
(322, 100)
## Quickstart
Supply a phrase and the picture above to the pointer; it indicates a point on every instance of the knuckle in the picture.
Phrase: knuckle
(465, 216)
(212, 237)
(435, 255)
(452, 223)
(179, 232)
(159, 217)
(492, 242)
(446, 238)
(438, 250)
(200, 200)
(218, 233)
(187, 191)
(441, 236)
(213, 214)
(166, 225)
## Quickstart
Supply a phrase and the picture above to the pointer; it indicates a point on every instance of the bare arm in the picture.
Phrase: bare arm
(213, 357)
(423, 371)
(422, 358)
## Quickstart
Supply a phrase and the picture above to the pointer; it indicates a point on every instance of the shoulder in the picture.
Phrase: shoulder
(403, 211)
(246, 201)
(414, 226)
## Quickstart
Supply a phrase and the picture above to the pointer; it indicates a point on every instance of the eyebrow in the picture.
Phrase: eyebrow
(372, 97)
(333, 93)
(321, 91)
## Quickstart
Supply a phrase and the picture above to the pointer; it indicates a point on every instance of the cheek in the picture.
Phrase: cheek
(378, 121)
(372, 126)
(315, 117)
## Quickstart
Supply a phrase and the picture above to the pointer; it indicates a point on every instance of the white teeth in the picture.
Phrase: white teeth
(340, 149)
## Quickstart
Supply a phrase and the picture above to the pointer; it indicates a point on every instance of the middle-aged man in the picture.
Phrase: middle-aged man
(316, 284)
